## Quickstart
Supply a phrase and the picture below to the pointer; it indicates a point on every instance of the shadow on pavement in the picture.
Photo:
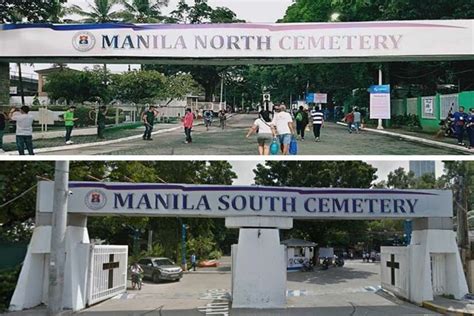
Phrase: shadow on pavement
(330, 276)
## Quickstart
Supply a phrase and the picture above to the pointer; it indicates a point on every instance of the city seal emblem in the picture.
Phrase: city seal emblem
(83, 41)
(95, 199)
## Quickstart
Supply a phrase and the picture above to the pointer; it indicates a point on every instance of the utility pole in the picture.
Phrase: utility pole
(58, 233)
(183, 247)
(461, 216)
(380, 125)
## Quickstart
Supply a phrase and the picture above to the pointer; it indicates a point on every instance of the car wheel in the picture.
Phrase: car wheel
(156, 278)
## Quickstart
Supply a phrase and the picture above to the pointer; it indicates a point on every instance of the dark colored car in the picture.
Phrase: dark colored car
(158, 269)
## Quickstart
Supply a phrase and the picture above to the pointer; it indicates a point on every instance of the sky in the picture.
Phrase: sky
(244, 169)
(248, 10)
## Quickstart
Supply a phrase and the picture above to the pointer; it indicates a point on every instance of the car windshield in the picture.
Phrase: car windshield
(163, 262)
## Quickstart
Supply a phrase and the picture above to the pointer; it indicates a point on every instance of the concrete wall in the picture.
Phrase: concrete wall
(4, 83)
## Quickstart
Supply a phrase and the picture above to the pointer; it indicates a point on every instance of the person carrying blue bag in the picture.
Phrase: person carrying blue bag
(283, 123)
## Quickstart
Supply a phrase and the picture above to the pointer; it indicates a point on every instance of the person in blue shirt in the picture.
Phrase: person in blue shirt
(460, 118)
(193, 261)
(470, 128)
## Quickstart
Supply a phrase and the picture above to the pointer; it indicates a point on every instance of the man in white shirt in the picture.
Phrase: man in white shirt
(24, 129)
(283, 123)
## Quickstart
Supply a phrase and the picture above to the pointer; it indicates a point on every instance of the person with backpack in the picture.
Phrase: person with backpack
(265, 132)
(207, 118)
(302, 120)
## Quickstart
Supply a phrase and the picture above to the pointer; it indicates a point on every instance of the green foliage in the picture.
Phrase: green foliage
(142, 11)
(101, 11)
(77, 86)
(411, 121)
(14, 11)
(201, 246)
(8, 279)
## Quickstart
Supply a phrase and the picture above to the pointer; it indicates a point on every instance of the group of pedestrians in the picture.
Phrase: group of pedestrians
(281, 128)
(464, 123)
(353, 120)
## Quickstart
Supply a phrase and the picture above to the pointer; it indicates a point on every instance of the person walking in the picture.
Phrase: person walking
(24, 129)
(317, 117)
(188, 121)
(265, 132)
(148, 118)
(207, 118)
(101, 118)
(69, 120)
(3, 123)
(283, 124)
(460, 118)
(357, 120)
(193, 261)
(349, 119)
(222, 119)
(470, 128)
(302, 120)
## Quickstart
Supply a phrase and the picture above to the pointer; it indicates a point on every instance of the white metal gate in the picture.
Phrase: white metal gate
(438, 273)
(107, 273)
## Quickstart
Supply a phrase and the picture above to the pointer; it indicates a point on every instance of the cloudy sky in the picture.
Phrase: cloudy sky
(244, 169)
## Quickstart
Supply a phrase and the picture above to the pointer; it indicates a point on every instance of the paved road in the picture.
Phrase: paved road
(232, 141)
(351, 290)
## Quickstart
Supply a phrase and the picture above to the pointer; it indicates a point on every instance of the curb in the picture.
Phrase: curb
(108, 142)
(79, 146)
(444, 310)
(416, 139)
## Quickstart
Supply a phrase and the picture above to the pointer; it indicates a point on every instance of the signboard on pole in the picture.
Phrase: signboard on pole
(316, 98)
(379, 102)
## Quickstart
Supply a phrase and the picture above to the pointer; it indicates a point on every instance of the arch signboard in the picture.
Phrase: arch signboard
(239, 42)
(146, 199)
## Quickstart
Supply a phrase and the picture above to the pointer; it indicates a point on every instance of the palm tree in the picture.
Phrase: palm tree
(143, 11)
(100, 12)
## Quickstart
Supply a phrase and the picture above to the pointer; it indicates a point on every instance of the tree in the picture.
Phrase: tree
(102, 11)
(200, 12)
(15, 11)
(138, 86)
(143, 11)
(78, 86)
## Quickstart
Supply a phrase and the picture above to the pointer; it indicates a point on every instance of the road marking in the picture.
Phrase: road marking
(220, 304)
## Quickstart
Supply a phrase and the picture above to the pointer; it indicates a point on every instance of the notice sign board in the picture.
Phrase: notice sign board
(380, 102)
(317, 98)
(149, 199)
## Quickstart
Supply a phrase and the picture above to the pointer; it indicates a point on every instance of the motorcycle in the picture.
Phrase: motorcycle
(326, 264)
(339, 262)
(137, 281)
(307, 267)
(447, 128)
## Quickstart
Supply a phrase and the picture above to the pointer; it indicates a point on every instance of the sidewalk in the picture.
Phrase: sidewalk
(450, 307)
(10, 138)
(417, 137)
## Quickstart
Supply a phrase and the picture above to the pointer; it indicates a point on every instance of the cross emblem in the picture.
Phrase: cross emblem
(111, 265)
(393, 265)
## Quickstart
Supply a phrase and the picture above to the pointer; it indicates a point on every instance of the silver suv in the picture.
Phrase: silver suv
(160, 269)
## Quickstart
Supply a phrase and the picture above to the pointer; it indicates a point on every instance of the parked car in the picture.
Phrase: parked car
(158, 269)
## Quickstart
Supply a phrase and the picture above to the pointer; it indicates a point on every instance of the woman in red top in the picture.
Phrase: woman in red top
(349, 119)
(188, 125)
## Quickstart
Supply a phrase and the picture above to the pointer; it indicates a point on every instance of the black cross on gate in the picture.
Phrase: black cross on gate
(393, 265)
(111, 265)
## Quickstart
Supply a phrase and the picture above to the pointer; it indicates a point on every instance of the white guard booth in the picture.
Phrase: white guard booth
(298, 252)
(259, 262)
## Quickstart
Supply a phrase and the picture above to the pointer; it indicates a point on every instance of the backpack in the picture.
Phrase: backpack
(299, 117)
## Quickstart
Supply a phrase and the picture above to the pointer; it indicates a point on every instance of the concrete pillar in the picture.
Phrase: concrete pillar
(4, 83)
(258, 262)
